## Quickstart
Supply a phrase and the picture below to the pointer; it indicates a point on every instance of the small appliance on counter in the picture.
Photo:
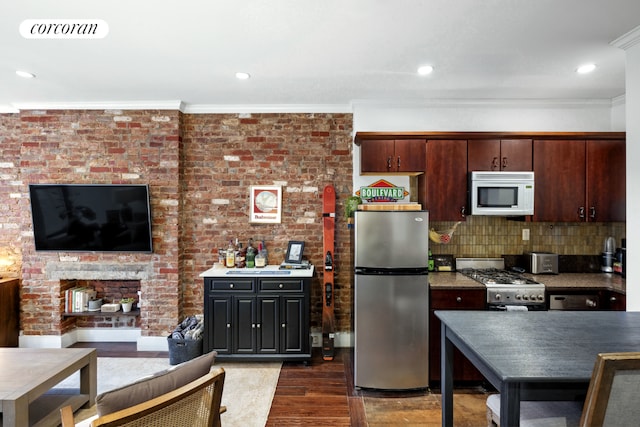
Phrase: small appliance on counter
(608, 255)
(542, 262)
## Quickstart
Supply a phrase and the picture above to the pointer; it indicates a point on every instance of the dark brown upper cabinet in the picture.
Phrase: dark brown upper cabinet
(393, 156)
(500, 155)
(446, 180)
(580, 180)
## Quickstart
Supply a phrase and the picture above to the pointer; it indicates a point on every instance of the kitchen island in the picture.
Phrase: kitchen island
(537, 355)
(257, 313)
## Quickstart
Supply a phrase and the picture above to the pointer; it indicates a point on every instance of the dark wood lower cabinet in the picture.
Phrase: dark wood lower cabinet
(257, 319)
(9, 312)
(452, 299)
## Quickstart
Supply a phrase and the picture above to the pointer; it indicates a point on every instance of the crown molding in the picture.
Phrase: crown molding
(627, 40)
(310, 108)
(494, 103)
(266, 108)
(110, 105)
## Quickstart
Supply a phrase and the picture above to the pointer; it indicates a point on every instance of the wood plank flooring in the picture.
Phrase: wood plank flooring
(321, 393)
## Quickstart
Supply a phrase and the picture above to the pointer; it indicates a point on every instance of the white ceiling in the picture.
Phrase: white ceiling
(331, 52)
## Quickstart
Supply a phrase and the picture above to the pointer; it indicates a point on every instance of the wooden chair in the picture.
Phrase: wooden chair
(612, 398)
(196, 404)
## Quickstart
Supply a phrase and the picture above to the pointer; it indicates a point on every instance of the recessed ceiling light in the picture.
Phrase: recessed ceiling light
(25, 74)
(586, 68)
(242, 76)
(425, 69)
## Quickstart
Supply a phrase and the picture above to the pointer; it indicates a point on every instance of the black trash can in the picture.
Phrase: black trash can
(182, 350)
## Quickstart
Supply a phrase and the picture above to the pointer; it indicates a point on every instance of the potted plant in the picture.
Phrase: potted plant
(127, 303)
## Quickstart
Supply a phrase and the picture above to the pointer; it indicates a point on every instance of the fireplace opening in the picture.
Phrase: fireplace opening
(110, 291)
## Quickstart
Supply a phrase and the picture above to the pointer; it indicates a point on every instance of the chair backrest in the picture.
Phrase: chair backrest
(196, 404)
(613, 398)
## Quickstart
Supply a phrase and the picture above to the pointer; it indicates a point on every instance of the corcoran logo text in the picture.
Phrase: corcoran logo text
(64, 29)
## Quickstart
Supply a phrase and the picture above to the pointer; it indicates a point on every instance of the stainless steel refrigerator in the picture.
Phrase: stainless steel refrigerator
(391, 299)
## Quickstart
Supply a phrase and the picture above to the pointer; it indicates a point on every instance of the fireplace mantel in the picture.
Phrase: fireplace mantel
(97, 271)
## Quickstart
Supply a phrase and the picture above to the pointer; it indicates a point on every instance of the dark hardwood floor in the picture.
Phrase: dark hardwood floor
(321, 393)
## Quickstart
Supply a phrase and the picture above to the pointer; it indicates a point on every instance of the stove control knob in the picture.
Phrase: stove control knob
(540, 297)
(525, 297)
(498, 297)
(518, 297)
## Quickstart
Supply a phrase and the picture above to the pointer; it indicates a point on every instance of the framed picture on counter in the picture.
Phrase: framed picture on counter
(294, 252)
(265, 204)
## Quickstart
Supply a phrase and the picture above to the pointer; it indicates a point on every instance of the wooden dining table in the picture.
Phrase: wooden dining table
(27, 376)
(535, 355)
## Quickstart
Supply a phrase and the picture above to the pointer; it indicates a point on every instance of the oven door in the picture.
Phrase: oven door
(516, 307)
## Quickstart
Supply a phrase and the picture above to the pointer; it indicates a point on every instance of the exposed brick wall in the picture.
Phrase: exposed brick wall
(102, 147)
(225, 154)
(199, 168)
(10, 190)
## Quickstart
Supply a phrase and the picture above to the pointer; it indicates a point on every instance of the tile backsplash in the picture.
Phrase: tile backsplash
(491, 236)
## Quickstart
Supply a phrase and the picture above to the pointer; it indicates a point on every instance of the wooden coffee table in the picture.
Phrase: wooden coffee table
(26, 374)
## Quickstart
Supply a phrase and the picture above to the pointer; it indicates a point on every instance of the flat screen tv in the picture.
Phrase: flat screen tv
(91, 218)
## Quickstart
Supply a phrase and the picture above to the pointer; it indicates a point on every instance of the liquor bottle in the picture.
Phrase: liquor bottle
(260, 260)
(231, 255)
(251, 254)
(265, 253)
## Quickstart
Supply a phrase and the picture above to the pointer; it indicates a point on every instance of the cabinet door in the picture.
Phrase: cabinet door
(560, 175)
(616, 301)
(516, 155)
(377, 155)
(409, 155)
(392, 156)
(268, 325)
(446, 180)
(483, 155)
(244, 325)
(606, 181)
(218, 326)
(293, 332)
(447, 299)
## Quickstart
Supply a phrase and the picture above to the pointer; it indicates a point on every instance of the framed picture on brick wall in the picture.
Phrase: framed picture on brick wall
(266, 204)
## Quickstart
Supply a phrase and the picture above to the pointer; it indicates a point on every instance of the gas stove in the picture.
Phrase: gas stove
(506, 289)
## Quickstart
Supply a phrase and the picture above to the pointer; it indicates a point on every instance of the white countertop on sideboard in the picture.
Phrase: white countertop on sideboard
(266, 272)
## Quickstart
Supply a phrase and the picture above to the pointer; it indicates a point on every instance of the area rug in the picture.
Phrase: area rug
(248, 387)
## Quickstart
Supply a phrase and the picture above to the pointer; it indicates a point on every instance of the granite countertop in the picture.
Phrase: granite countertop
(445, 280)
(573, 281)
(577, 281)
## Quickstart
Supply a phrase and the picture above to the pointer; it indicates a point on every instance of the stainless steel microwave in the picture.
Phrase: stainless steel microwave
(501, 193)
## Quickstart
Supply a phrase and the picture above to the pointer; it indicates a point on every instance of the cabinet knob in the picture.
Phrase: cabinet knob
(284, 325)
(228, 325)
(458, 299)
(258, 325)
(281, 286)
(230, 285)
(613, 299)
(253, 326)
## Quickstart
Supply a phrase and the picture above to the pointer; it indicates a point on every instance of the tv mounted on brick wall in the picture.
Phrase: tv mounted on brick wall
(91, 217)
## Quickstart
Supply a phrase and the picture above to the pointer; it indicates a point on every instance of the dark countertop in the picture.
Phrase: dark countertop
(562, 281)
(558, 344)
